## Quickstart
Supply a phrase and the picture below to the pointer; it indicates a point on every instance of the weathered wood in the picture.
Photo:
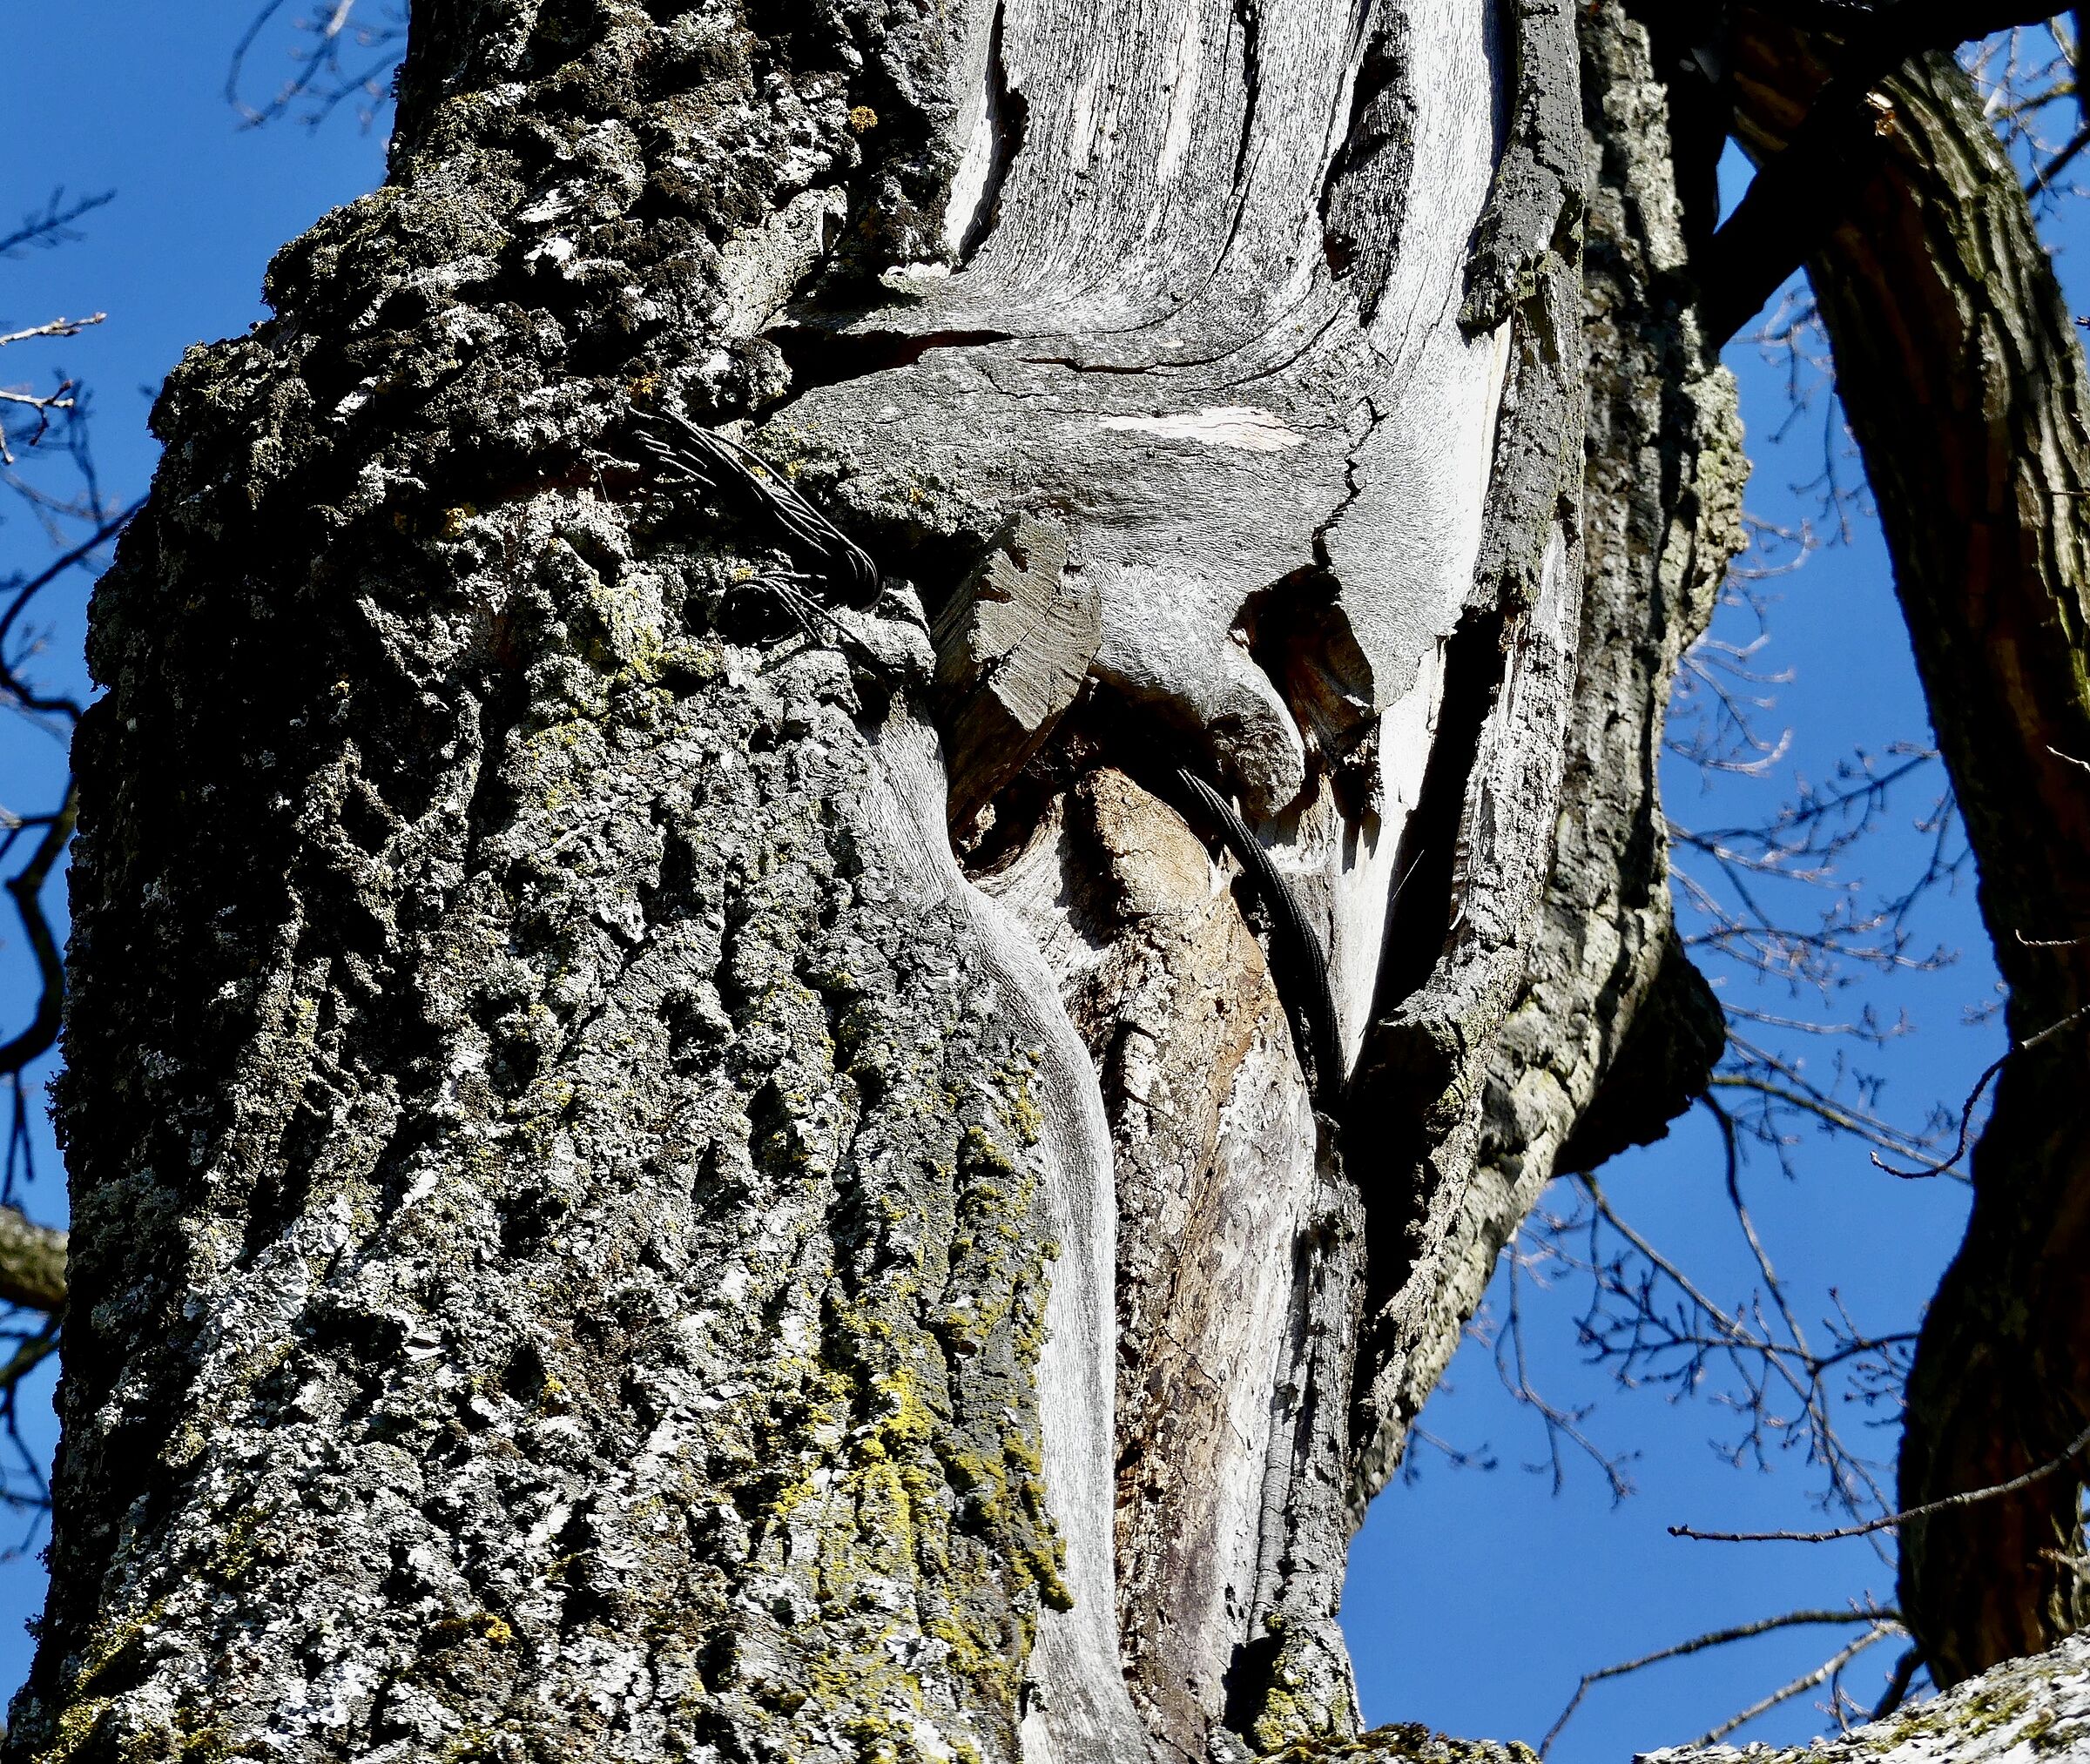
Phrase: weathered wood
(1213, 1147)
(1209, 313)
(1013, 648)
(1176, 328)
(1662, 478)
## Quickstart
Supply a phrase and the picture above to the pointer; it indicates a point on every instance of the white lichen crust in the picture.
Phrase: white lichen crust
(2031, 1711)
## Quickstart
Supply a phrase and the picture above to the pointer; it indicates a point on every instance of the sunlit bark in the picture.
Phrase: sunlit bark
(606, 1226)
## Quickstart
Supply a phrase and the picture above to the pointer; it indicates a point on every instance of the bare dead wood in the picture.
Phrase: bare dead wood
(1014, 644)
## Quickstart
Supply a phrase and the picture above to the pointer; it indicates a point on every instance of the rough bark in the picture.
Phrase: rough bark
(1966, 384)
(563, 1218)
(594, 1238)
(32, 1262)
(1612, 1032)
(2038, 1707)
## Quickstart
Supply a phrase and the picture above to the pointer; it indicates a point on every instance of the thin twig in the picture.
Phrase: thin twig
(1974, 1098)
(1698, 1644)
(2059, 163)
(55, 327)
(1888, 1521)
(1799, 1686)
(27, 887)
(78, 554)
(1898, 1685)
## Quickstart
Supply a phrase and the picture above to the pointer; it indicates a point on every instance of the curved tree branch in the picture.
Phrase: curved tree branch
(1806, 186)
(1965, 385)
(27, 887)
(32, 1262)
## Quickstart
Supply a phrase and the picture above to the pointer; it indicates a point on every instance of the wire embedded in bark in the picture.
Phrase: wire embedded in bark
(716, 462)
(1299, 957)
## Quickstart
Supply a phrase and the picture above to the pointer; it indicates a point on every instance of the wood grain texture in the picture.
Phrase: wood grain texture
(1207, 315)
(1085, 1715)
(1014, 644)
(1214, 1150)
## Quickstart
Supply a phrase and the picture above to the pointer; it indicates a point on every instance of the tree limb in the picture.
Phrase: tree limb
(32, 1262)
(1802, 192)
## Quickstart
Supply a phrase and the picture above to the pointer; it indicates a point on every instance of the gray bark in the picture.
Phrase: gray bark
(594, 1235)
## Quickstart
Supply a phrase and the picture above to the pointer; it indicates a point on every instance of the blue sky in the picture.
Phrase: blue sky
(126, 96)
(1477, 1598)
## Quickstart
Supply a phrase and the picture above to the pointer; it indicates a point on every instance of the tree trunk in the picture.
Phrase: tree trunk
(595, 1235)
(1967, 387)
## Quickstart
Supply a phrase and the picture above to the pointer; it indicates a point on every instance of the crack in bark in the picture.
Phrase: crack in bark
(1352, 490)
(1248, 14)
(822, 354)
(1359, 235)
(1007, 122)
(1425, 913)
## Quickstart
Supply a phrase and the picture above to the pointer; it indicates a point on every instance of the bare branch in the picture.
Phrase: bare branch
(1886, 1522)
(346, 57)
(79, 554)
(1801, 192)
(27, 887)
(52, 224)
(1974, 1098)
(1898, 1687)
(1799, 1686)
(1712, 1639)
(32, 1262)
(54, 327)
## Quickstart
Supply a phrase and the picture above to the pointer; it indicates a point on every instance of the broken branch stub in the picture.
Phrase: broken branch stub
(1013, 647)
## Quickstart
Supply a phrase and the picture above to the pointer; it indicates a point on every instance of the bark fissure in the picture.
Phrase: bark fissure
(1248, 18)
(1488, 1063)
(1006, 116)
(764, 1290)
(1426, 911)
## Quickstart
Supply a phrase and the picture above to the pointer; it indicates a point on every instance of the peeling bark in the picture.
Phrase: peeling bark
(1013, 645)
